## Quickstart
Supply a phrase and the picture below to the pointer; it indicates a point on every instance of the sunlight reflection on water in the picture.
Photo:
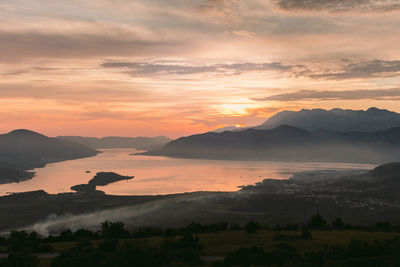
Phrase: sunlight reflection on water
(162, 175)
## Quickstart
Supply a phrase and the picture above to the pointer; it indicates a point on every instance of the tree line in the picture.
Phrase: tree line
(181, 246)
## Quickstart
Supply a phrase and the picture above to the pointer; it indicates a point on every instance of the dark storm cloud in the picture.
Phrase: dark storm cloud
(150, 69)
(367, 69)
(376, 94)
(339, 5)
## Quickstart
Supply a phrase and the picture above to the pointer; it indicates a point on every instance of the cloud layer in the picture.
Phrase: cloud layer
(366, 69)
(177, 67)
(361, 94)
(151, 69)
(340, 5)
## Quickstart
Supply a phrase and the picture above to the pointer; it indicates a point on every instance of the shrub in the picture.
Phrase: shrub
(252, 227)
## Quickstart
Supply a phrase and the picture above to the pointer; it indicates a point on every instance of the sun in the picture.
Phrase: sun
(234, 110)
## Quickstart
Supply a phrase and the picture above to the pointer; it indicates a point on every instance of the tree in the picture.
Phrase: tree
(113, 230)
(338, 223)
(316, 221)
(83, 255)
(18, 240)
(85, 234)
(20, 260)
(252, 227)
(67, 235)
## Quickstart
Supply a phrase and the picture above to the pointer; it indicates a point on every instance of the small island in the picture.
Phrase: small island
(100, 179)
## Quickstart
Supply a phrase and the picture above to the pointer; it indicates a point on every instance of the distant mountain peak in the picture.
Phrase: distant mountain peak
(230, 128)
(336, 119)
(25, 132)
(378, 111)
(374, 109)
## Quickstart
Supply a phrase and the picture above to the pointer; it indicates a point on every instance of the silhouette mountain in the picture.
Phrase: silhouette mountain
(26, 133)
(342, 120)
(231, 128)
(387, 170)
(21, 150)
(142, 143)
(288, 143)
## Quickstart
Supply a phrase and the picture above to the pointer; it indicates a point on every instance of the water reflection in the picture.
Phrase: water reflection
(162, 175)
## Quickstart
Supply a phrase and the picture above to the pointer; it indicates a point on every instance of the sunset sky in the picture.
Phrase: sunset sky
(178, 67)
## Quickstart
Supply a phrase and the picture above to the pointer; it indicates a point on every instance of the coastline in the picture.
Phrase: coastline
(345, 194)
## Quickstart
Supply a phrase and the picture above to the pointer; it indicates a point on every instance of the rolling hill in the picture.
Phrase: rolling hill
(22, 150)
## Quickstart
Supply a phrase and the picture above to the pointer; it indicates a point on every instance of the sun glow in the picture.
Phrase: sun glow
(235, 110)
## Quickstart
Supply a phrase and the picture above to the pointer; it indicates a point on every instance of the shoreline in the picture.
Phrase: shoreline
(159, 175)
(337, 194)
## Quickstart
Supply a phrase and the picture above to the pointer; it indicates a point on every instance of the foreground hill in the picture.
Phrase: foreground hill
(21, 150)
(288, 143)
(342, 120)
(141, 143)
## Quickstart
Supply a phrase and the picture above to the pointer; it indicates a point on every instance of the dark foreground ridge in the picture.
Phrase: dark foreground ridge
(387, 170)
(100, 179)
(358, 197)
(22, 150)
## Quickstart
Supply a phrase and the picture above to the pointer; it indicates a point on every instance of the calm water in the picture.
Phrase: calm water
(162, 175)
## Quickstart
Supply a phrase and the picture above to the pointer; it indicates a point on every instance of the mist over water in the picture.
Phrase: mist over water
(146, 214)
(162, 175)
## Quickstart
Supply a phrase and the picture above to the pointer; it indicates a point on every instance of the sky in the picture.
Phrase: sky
(179, 67)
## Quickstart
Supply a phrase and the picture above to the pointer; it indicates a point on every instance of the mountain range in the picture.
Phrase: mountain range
(141, 143)
(21, 150)
(288, 143)
(342, 120)
(338, 135)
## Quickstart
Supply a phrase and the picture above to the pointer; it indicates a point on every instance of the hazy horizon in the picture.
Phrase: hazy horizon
(77, 133)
